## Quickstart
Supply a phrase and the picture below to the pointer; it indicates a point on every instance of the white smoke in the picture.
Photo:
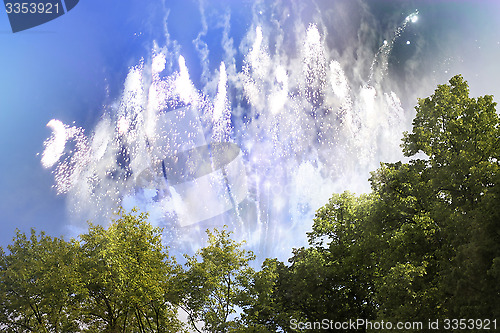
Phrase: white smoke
(308, 120)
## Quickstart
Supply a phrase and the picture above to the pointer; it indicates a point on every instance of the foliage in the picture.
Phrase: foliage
(426, 242)
(129, 277)
(39, 285)
(461, 137)
(215, 280)
(119, 279)
(263, 304)
(423, 245)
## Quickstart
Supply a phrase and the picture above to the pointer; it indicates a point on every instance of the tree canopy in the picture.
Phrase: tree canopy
(424, 244)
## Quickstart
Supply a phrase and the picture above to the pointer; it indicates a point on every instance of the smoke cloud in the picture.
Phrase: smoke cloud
(300, 98)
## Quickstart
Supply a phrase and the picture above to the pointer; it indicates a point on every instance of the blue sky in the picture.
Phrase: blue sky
(57, 70)
(73, 68)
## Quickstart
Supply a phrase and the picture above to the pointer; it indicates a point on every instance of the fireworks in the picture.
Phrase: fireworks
(298, 126)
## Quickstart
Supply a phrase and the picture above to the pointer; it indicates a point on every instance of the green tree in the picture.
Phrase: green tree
(215, 281)
(129, 278)
(39, 285)
(426, 242)
(410, 244)
(264, 307)
(460, 137)
(331, 279)
(334, 275)
(350, 255)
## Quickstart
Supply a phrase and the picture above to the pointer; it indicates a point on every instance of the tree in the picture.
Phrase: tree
(215, 281)
(331, 279)
(426, 242)
(460, 136)
(410, 244)
(129, 278)
(264, 305)
(39, 285)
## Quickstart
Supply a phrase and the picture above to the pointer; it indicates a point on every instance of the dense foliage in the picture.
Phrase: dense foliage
(423, 245)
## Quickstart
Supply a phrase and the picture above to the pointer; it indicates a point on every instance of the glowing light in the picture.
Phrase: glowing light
(339, 82)
(54, 147)
(183, 85)
(221, 113)
(220, 99)
(158, 63)
(413, 17)
(279, 97)
(122, 125)
(307, 123)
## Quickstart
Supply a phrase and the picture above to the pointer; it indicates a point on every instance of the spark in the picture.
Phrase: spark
(54, 147)
(305, 128)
